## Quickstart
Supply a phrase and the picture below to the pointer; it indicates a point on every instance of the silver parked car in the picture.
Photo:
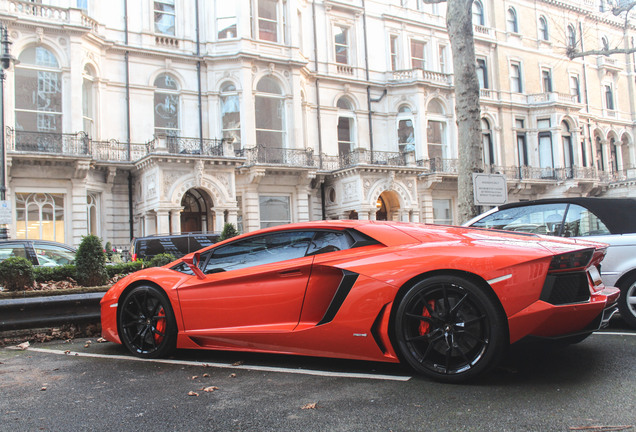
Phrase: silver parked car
(606, 220)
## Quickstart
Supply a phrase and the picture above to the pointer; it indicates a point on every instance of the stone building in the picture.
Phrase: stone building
(128, 118)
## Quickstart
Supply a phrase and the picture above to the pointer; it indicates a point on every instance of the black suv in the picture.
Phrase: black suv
(176, 245)
(39, 252)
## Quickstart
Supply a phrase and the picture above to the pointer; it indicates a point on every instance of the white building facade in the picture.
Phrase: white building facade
(131, 118)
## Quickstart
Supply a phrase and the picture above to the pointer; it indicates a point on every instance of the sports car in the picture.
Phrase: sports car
(446, 301)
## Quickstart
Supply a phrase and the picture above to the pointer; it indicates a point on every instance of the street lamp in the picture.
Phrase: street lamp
(5, 63)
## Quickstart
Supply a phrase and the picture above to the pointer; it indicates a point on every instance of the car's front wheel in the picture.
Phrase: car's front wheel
(449, 329)
(627, 301)
(146, 322)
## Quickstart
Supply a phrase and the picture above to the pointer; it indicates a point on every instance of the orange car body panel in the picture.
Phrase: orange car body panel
(282, 307)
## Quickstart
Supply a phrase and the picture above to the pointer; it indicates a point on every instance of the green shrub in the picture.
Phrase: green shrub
(108, 249)
(124, 268)
(90, 262)
(54, 273)
(229, 231)
(159, 260)
(16, 274)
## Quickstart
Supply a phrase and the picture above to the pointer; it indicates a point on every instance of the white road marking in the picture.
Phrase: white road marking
(614, 333)
(225, 365)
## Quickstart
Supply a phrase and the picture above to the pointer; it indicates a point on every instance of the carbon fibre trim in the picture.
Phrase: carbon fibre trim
(346, 283)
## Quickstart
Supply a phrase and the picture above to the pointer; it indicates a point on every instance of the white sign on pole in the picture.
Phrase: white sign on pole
(5, 212)
(490, 189)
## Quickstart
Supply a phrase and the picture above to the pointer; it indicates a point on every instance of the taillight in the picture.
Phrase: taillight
(571, 260)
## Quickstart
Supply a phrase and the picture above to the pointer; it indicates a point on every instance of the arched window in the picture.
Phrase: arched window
(568, 149)
(270, 113)
(478, 13)
(405, 129)
(614, 154)
(511, 21)
(571, 36)
(231, 113)
(92, 213)
(346, 126)
(600, 153)
(436, 139)
(88, 101)
(487, 143)
(38, 92)
(543, 28)
(166, 106)
(40, 216)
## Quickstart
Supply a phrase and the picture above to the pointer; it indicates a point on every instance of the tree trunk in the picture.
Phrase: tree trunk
(460, 31)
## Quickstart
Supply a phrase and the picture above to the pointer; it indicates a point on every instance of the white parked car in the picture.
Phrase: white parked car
(606, 220)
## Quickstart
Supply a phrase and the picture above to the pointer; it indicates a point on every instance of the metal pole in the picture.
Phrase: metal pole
(6, 62)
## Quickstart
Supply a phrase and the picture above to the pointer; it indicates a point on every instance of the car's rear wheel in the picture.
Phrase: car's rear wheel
(449, 329)
(146, 322)
(627, 301)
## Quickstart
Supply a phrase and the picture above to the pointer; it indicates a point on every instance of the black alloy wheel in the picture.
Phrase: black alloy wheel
(146, 323)
(449, 329)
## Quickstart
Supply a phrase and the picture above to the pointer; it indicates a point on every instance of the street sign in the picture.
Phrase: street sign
(490, 189)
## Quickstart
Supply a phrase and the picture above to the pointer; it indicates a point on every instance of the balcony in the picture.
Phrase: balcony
(80, 145)
(420, 75)
(51, 14)
(262, 155)
(364, 157)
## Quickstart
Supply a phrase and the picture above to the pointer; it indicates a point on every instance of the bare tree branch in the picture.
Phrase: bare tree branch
(625, 7)
(572, 53)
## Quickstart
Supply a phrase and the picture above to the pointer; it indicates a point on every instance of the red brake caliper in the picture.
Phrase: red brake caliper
(424, 326)
(161, 326)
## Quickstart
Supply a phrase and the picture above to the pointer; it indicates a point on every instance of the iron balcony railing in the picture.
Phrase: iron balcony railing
(278, 156)
(189, 145)
(80, 145)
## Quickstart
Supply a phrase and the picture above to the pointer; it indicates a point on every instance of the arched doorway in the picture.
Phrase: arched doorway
(387, 206)
(196, 215)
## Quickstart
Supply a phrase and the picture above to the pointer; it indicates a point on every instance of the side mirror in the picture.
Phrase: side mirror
(193, 263)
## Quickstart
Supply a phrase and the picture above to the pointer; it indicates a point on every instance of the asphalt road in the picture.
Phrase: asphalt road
(73, 386)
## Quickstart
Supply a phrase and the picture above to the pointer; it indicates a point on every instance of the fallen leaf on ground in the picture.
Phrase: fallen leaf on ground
(209, 389)
(311, 405)
(191, 393)
(195, 377)
(43, 388)
(101, 340)
(24, 345)
(205, 375)
(237, 363)
(233, 375)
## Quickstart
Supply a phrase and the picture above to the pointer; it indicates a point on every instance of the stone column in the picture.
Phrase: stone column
(163, 222)
(175, 221)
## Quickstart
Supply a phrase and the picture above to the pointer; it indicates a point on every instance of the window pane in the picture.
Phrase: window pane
(582, 222)
(442, 212)
(541, 219)
(269, 113)
(275, 210)
(226, 28)
(40, 216)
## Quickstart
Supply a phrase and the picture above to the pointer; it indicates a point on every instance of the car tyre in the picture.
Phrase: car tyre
(449, 329)
(146, 322)
(627, 301)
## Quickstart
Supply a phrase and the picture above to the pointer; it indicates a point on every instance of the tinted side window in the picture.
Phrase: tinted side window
(254, 251)
(12, 250)
(582, 222)
(539, 219)
(329, 241)
(51, 255)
